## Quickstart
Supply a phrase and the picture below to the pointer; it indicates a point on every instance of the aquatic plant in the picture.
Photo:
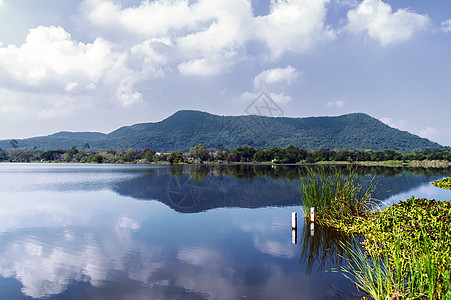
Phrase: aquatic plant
(407, 251)
(337, 197)
(444, 183)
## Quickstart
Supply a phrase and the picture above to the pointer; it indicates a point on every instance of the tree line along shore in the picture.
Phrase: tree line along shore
(242, 154)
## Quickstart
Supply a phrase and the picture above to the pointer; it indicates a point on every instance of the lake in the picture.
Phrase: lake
(85, 231)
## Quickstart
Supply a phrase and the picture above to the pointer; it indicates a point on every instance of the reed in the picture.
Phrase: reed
(336, 195)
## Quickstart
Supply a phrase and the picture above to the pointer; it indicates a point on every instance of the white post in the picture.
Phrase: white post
(294, 236)
(312, 229)
(312, 215)
(294, 220)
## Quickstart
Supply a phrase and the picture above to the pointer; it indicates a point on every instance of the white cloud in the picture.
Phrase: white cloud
(52, 74)
(150, 57)
(379, 22)
(446, 25)
(274, 248)
(293, 26)
(49, 59)
(277, 76)
(428, 132)
(207, 66)
(209, 36)
(336, 104)
(203, 38)
(399, 123)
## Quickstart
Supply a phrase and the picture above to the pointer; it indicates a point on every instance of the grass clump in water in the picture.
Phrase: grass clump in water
(338, 197)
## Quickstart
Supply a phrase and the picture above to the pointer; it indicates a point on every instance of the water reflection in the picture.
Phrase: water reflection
(192, 189)
(89, 235)
(322, 247)
(97, 242)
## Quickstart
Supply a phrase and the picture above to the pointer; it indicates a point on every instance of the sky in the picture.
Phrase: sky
(97, 65)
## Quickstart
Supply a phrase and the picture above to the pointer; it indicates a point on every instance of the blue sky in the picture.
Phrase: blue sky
(96, 65)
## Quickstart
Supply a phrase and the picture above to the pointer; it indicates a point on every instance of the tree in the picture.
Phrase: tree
(244, 154)
(221, 155)
(148, 154)
(97, 158)
(69, 156)
(14, 143)
(3, 155)
(130, 155)
(52, 155)
(176, 157)
(86, 146)
(199, 153)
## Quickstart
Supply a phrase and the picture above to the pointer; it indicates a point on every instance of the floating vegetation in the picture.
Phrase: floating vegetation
(407, 251)
(444, 183)
(406, 248)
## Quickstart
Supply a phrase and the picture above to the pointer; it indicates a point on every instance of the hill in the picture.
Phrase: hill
(185, 129)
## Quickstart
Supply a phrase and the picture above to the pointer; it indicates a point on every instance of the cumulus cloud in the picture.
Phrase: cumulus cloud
(293, 26)
(209, 36)
(277, 76)
(446, 25)
(55, 71)
(376, 19)
(398, 124)
(49, 55)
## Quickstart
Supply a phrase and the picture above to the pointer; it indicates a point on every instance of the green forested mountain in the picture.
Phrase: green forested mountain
(185, 129)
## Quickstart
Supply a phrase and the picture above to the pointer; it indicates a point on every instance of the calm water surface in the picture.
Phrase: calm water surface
(160, 232)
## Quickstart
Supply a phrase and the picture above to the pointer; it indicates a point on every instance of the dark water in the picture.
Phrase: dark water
(160, 232)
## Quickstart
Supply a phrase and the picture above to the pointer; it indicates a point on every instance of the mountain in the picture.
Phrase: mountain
(186, 128)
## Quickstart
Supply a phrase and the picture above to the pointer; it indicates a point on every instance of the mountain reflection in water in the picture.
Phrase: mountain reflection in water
(197, 188)
(82, 232)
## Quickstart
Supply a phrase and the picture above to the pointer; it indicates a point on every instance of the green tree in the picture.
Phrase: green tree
(97, 158)
(70, 154)
(199, 153)
(3, 155)
(176, 157)
(221, 155)
(262, 155)
(52, 155)
(148, 154)
(129, 156)
(244, 154)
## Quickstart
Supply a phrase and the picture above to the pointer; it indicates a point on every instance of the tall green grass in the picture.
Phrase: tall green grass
(336, 194)
(391, 277)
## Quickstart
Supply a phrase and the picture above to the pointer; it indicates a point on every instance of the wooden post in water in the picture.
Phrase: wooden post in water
(294, 225)
(312, 215)
(312, 220)
(294, 236)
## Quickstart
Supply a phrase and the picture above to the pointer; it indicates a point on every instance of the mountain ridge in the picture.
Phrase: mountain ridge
(187, 128)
